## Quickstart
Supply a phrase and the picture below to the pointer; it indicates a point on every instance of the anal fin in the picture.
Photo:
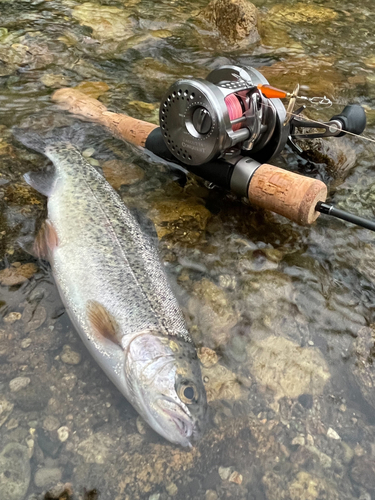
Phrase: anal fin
(102, 322)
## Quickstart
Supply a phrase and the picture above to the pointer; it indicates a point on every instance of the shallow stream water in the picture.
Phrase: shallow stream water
(285, 311)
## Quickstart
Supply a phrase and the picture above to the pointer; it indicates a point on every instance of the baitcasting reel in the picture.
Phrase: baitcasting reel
(236, 112)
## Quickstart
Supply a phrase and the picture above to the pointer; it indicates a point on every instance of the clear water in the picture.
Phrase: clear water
(286, 309)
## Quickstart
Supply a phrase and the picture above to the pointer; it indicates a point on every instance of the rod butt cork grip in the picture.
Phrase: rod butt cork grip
(286, 193)
(87, 108)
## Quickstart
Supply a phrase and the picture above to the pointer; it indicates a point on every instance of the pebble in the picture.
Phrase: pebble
(69, 356)
(310, 342)
(342, 408)
(154, 496)
(5, 409)
(19, 383)
(141, 425)
(171, 489)
(224, 472)
(12, 317)
(51, 423)
(88, 152)
(331, 433)
(25, 343)
(63, 434)
(45, 477)
(211, 495)
(33, 317)
(236, 477)
(300, 440)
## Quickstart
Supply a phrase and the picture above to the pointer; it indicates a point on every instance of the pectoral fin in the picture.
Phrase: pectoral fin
(43, 181)
(46, 240)
(102, 322)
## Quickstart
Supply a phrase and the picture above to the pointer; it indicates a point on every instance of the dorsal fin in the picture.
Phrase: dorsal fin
(46, 240)
(102, 322)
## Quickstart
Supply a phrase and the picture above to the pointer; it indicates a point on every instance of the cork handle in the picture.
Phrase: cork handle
(286, 193)
(122, 126)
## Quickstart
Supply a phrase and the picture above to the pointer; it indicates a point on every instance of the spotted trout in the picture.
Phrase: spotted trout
(116, 292)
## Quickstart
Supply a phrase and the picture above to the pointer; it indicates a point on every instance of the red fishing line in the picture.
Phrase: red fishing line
(234, 109)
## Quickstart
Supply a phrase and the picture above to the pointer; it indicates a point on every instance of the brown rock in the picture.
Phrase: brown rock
(12, 276)
(236, 20)
(92, 89)
(118, 173)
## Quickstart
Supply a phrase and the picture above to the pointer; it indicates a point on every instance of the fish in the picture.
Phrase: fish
(106, 266)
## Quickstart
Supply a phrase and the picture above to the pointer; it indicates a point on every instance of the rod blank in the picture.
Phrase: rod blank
(327, 209)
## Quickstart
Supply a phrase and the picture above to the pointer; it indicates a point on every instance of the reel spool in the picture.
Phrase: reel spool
(223, 116)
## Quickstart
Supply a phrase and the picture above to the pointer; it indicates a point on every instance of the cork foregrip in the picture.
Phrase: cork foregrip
(87, 108)
(286, 193)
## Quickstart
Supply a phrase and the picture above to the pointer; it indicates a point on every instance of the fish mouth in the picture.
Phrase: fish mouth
(184, 426)
(180, 419)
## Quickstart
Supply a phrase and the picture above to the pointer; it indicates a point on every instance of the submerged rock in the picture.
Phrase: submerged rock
(212, 313)
(286, 368)
(106, 22)
(221, 383)
(301, 13)
(6, 409)
(183, 219)
(237, 20)
(46, 477)
(17, 274)
(96, 449)
(93, 89)
(363, 369)
(336, 152)
(119, 173)
(318, 76)
(14, 472)
(363, 472)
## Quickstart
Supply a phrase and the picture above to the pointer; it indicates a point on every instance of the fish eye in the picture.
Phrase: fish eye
(188, 393)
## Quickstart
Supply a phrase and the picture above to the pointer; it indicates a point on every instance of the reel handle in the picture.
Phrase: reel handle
(89, 109)
(353, 119)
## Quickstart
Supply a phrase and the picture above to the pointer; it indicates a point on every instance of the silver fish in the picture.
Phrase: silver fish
(116, 292)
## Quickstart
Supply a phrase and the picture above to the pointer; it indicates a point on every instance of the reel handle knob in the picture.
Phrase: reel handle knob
(353, 119)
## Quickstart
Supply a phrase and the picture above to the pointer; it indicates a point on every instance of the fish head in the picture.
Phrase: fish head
(165, 382)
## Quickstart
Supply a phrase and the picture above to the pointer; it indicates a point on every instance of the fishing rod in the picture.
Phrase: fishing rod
(226, 128)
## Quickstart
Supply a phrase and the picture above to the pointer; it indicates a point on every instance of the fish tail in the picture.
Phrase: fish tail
(59, 136)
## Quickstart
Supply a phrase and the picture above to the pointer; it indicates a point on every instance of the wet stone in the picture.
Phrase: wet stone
(96, 448)
(363, 369)
(18, 383)
(12, 317)
(46, 477)
(14, 472)
(306, 400)
(51, 423)
(106, 22)
(172, 489)
(93, 89)
(63, 434)
(34, 397)
(301, 13)
(331, 433)
(69, 356)
(236, 20)
(5, 409)
(33, 316)
(17, 275)
(286, 368)
(211, 495)
(119, 173)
